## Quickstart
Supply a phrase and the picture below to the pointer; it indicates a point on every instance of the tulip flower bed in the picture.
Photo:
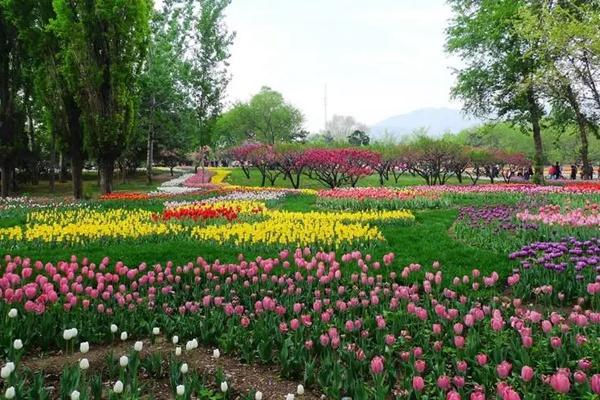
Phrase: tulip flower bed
(281, 228)
(347, 324)
(379, 199)
(504, 228)
(588, 216)
(559, 271)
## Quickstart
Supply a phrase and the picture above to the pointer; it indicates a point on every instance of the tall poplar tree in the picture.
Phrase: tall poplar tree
(103, 45)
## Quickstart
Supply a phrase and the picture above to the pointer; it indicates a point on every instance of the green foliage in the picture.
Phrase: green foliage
(267, 118)
(103, 45)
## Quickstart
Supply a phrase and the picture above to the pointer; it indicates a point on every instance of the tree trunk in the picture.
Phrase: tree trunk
(4, 175)
(582, 125)
(13, 175)
(75, 146)
(61, 167)
(107, 168)
(149, 156)
(51, 175)
(538, 159)
(34, 164)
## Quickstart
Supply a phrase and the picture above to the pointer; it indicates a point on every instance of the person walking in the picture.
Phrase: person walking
(557, 171)
(573, 172)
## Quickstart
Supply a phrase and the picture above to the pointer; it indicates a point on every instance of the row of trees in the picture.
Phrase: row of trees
(108, 81)
(434, 160)
(523, 58)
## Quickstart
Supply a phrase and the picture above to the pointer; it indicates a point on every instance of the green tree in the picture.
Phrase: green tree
(12, 112)
(359, 138)
(164, 113)
(499, 65)
(205, 69)
(267, 118)
(568, 39)
(103, 44)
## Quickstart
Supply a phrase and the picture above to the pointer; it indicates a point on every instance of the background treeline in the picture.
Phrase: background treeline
(434, 160)
(107, 84)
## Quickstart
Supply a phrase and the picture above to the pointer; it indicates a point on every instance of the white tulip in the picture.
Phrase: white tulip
(84, 363)
(290, 396)
(258, 396)
(114, 328)
(123, 336)
(191, 344)
(74, 332)
(75, 395)
(156, 331)
(118, 388)
(138, 346)
(18, 344)
(224, 387)
(300, 390)
(84, 347)
(184, 368)
(180, 390)
(13, 313)
(67, 334)
(175, 339)
(10, 393)
(123, 361)
(178, 350)
(216, 353)
(5, 372)
(11, 366)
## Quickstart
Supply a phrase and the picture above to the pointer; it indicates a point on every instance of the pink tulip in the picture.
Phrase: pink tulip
(503, 369)
(527, 373)
(377, 365)
(560, 382)
(418, 383)
(595, 383)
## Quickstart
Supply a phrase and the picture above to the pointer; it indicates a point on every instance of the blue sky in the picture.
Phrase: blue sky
(379, 57)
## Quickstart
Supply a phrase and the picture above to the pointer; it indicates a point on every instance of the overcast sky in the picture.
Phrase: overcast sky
(379, 57)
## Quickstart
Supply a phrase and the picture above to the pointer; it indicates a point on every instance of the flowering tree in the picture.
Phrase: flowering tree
(513, 163)
(243, 154)
(290, 162)
(336, 167)
(265, 159)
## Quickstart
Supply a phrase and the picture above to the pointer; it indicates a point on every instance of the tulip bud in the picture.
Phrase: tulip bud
(84, 363)
(118, 388)
(10, 393)
(84, 347)
(123, 361)
(180, 390)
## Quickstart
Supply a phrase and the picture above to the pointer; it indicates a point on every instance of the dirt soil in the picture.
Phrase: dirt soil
(242, 378)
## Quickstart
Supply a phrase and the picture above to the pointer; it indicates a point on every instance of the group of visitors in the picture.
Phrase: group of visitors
(555, 172)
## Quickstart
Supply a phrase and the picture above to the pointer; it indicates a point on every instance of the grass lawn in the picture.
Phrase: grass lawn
(237, 177)
(424, 241)
(91, 189)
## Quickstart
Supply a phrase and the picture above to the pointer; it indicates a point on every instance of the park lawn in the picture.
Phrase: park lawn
(237, 177)
(134, 183)
(424, 241)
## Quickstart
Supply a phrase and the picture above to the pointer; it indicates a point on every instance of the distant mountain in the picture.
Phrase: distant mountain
(437, 121)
